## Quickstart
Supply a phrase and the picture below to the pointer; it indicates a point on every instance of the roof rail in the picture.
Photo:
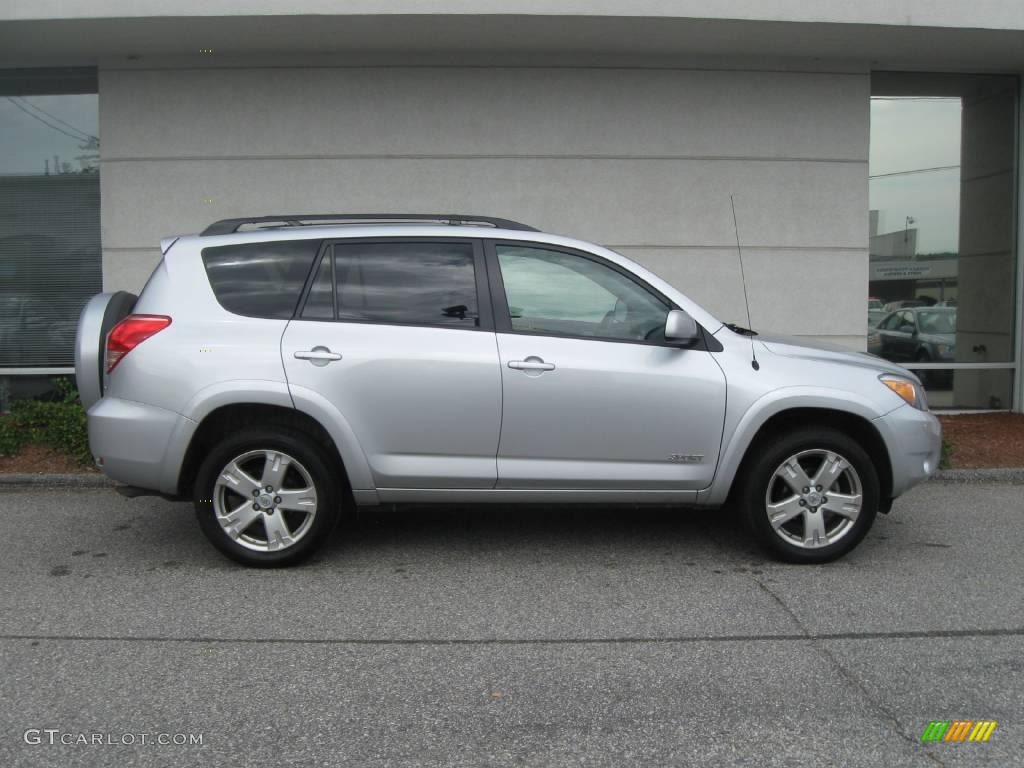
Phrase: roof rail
(230, 226)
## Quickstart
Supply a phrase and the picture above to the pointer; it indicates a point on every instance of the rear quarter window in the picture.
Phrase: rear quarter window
(260, 279)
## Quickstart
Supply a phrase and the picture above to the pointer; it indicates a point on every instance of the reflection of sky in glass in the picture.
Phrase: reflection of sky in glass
(536, 288)
(909, 136)
(27, 142)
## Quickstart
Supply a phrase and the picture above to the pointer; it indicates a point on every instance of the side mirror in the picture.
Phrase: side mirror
(681, 329)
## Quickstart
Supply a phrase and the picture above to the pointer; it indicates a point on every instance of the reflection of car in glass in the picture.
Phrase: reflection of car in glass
(892, 306)
(875, 317)
(23, 321)
(874, 340)
(42, 291)
(921, 335)
(874, 303)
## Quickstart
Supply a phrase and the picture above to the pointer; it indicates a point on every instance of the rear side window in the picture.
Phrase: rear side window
(405, 283)
(260, 279)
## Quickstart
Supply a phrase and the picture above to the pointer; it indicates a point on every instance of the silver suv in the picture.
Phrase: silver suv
(279, 370)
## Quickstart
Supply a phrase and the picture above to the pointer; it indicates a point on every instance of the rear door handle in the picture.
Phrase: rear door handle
(317, 355)
(531, 364)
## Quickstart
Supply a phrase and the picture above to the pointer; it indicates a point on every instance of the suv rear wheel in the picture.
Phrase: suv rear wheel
(810, 496)
(266, 498)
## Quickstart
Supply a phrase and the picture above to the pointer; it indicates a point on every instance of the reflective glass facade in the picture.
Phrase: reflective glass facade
(943, 260)
(50, 256)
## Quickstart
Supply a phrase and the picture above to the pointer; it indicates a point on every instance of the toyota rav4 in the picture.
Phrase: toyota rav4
(280, 369)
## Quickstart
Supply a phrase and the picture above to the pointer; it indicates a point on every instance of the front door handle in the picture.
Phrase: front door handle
(531, 364)
(317, 355)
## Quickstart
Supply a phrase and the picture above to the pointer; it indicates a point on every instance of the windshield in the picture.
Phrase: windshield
(937, 321)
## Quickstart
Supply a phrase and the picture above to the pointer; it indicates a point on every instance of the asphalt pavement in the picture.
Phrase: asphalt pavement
(509, 636)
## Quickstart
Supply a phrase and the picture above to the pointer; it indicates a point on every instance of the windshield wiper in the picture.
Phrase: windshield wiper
(740, 329)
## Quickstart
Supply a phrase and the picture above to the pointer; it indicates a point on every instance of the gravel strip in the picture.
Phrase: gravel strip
(56, 481)
(1014, 475)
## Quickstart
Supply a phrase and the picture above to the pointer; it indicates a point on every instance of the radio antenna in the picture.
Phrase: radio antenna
(743, 278)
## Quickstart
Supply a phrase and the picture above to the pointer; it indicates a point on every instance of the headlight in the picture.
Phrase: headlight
(944, 349)
(909, 391)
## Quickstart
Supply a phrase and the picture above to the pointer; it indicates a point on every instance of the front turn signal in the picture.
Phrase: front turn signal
(906, 389)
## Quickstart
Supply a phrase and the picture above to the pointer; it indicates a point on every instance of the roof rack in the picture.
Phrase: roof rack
(230, 226)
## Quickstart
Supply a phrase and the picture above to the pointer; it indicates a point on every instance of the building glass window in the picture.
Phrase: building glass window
(942, 232)
(50, 257)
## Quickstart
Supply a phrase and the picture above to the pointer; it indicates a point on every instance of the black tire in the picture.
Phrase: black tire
(309, 457)
(758, 480)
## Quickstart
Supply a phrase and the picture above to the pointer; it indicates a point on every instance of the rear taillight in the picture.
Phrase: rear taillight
(129, 333)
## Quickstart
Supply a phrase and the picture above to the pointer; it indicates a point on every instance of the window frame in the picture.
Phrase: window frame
(485, 313)
(499, 299)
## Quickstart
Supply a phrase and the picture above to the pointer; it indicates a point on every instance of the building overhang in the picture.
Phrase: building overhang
(35, 34)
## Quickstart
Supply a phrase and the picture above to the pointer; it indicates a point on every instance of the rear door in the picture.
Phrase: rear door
(398, 336)
(594, 398)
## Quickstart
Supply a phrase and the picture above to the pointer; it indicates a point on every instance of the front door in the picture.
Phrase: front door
(398, 337)
(594, 398)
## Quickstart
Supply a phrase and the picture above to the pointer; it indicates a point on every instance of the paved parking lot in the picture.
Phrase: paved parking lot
(546, 636)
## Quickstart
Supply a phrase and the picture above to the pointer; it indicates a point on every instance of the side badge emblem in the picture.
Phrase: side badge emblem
(686, 458)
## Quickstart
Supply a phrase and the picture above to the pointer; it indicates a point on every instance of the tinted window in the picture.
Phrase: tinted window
(260, 279)
(320, 302)
(569, 295)
(408, 283)
(937, 321)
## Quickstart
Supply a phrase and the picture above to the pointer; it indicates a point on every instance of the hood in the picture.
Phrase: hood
(790, 346)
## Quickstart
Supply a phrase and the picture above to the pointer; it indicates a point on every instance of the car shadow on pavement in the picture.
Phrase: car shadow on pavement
(510, 527)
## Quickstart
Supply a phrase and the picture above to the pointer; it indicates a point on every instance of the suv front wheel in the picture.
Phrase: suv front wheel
(810, 496)
(265, 497)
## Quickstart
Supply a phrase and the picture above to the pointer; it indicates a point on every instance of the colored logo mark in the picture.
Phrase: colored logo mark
(958, 730)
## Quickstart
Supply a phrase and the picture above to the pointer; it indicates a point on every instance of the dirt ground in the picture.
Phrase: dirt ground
(39, 460)
(985, 439)
(978, 440)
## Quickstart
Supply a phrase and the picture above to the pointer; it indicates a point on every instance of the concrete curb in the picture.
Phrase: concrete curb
(56, 481)
(1012, 475)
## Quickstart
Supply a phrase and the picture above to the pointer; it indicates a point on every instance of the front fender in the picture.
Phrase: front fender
(734, 445)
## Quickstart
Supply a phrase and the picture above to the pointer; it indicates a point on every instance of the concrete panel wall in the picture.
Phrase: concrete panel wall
(643, 160)
(986, 301)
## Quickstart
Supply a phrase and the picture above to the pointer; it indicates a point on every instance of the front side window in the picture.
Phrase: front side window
(260, 279)
(552, 292)
(405, 283)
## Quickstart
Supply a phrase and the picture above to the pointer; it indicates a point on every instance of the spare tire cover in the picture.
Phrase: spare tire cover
(100, 314)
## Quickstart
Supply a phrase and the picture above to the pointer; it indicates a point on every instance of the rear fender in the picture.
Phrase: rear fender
(275, 393)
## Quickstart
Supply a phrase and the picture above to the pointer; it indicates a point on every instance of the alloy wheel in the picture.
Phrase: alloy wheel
(814, 498)
(265, 500)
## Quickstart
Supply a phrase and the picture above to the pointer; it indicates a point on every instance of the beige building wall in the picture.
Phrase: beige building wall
(642, 160)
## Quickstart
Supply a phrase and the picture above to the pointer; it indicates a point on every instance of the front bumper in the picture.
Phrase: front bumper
(135, 443)
(914, 441)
